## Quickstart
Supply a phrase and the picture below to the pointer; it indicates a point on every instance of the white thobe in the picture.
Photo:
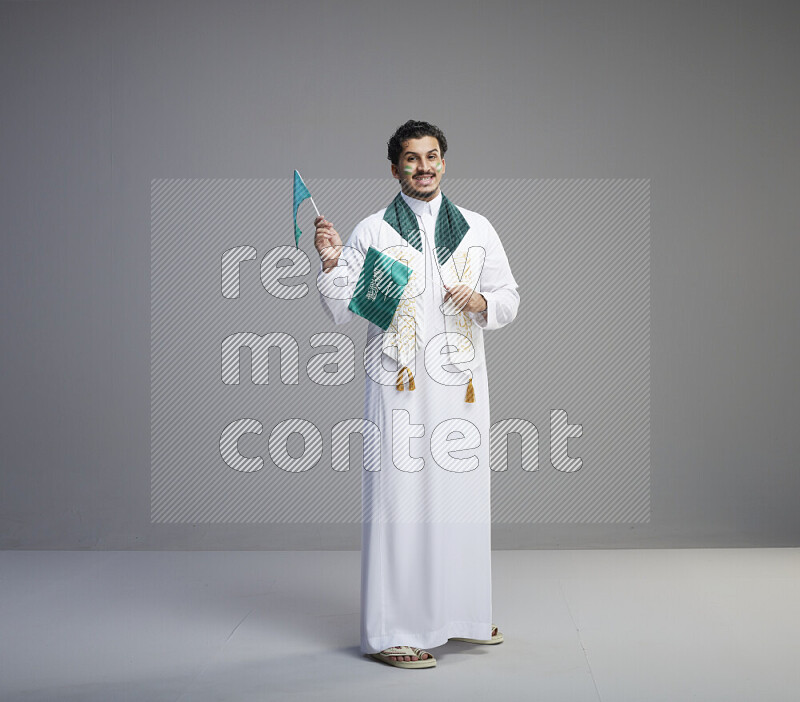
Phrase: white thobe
(426, 529)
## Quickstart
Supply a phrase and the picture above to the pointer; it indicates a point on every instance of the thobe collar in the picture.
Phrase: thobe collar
(450, 223)
(423, 207)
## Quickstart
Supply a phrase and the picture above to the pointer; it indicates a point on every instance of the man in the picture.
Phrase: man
(426, 535)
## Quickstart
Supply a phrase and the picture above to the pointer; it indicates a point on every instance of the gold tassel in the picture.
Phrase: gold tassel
(401, 383)
(470, 392)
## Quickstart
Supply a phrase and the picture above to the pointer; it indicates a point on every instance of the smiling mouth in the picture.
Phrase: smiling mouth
(424, 179)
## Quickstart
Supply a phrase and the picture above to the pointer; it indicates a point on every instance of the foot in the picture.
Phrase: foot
(425, 656)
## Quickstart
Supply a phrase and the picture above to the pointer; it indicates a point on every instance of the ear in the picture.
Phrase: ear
(444, 166)
(395, 172)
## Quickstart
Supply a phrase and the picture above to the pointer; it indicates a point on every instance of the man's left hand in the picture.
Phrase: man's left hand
(464, 296)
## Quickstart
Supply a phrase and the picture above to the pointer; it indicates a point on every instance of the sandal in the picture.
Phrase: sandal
(496, 639)
(384, 656)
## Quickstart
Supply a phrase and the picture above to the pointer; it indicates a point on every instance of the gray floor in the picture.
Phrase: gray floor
(692, 624)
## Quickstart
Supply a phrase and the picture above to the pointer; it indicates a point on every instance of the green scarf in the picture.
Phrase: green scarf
(450, 226)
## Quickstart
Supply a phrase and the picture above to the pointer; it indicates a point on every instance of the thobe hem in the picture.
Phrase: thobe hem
(429, 639)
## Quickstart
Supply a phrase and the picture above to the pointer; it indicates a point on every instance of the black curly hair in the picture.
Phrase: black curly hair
(414, 130)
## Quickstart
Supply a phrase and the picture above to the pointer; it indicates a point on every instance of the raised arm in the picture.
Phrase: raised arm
(339, 269)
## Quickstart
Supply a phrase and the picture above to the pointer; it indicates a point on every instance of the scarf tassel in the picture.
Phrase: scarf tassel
(470, 392)
(401, 382)
(470, 397)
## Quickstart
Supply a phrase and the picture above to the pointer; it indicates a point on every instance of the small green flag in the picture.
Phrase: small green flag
(300, 194)
(379, 288)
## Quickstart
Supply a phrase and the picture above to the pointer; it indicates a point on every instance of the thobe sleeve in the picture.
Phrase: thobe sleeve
(497, 285)
(336, 296)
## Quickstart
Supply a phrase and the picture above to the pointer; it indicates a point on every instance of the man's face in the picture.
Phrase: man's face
(420, 168)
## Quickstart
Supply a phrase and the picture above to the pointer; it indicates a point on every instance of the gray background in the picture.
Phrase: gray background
(100, 98)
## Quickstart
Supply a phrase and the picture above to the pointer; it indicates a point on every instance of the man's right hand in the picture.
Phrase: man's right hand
(327, 242)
